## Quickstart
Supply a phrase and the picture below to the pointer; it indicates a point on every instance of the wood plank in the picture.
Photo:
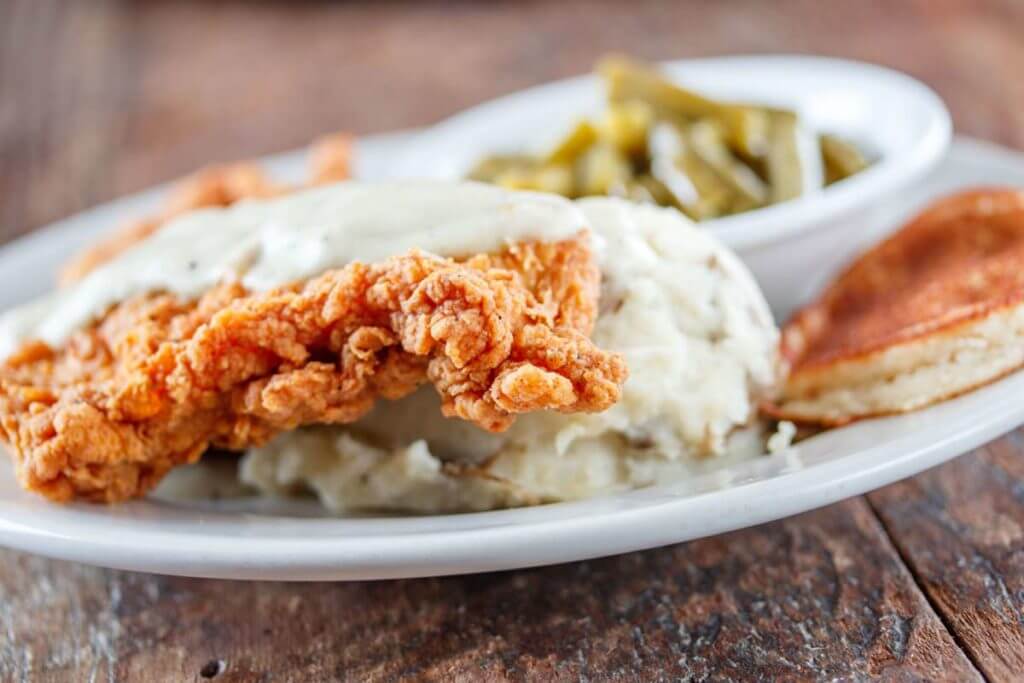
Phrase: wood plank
(961, 529)
(821, 595)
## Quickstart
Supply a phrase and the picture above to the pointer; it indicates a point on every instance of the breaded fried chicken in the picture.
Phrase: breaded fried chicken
(160, 380)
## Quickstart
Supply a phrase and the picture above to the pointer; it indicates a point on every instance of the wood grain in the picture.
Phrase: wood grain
(62, 103)
(100, 98)
(961, 529)
(821, 596)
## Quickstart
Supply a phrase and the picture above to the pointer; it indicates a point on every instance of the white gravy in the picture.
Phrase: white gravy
(270, 242)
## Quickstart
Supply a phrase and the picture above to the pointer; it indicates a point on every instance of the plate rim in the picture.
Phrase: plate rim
(489, 548)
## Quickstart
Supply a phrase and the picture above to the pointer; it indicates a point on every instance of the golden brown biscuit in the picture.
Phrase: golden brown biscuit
(935, 310)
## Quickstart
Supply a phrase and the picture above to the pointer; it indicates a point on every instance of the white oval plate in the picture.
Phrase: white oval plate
(266, 539)
(898, 120)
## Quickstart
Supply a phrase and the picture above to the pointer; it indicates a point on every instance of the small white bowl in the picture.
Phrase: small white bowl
(901, 123)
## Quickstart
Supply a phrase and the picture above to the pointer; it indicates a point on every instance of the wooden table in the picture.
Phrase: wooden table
(920, 580)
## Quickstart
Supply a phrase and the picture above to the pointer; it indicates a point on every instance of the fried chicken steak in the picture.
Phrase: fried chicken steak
(160, 378)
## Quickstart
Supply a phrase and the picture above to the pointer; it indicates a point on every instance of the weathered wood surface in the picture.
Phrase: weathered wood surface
(822, 595)
(100, 98)
(961, 530)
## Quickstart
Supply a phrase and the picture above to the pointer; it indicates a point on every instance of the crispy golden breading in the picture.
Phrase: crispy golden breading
(220, 185)
(925, 315)
(330, 159)
(159, 380)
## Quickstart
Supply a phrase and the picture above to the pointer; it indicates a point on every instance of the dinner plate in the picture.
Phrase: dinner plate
(264, 538)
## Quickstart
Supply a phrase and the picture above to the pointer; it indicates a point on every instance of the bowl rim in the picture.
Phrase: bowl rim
(772, 224)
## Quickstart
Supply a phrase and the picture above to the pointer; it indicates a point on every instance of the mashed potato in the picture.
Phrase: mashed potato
(701, 348)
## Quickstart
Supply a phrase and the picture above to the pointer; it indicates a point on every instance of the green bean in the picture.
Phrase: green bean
(647, 188)
(714, 196)
(666, 146)
(785, 174)
(626, 125)
(749, 131)
(554, 178)
(628, 80)
(695, 185)
(707, 141)
(582, 136)
(841, 159)
(489, 168)
(601, 169)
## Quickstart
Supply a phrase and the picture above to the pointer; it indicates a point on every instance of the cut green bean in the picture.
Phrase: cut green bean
(489, 168)
(582, 136)
(707, 141)
(841, 159)
(627, 80)
(649, 189)
(553, 178)
(601, 169)
(784, 173)
(714, 196)
(626, 126)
